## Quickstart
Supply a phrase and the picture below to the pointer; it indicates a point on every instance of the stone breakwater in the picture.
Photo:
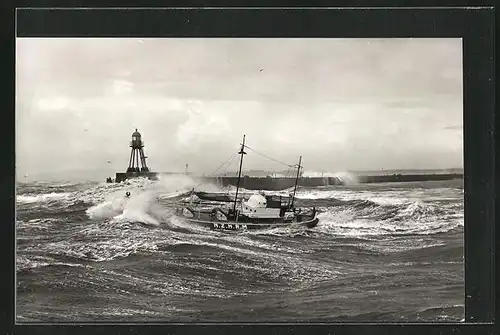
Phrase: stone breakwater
(276, 184)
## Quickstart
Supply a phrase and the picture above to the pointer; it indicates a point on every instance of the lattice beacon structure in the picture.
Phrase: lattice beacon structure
(137, 166)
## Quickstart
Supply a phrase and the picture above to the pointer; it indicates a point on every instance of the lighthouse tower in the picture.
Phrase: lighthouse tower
(137, 162)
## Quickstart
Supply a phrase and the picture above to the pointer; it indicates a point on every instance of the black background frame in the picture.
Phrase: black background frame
(475, 26)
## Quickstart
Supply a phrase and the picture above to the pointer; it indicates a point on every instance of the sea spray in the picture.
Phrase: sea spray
(136, 209)
(141, 205)
(175, 183)
(346, 178)
(114, 203)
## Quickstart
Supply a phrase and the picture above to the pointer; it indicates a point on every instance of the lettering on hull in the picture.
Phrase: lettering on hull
(229, 226)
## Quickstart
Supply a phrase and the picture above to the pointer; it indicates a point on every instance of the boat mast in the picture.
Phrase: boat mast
(296, 180)
(242, 152)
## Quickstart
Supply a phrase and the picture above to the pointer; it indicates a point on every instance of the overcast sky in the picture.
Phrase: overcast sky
(343, 104)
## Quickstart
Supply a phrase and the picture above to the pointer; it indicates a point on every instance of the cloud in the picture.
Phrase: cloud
(122, 87)
(200, 126)
(53, 103)
(340, 103)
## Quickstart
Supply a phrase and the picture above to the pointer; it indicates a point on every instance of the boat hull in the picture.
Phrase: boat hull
(214, 197)
(218, 225)
(210, 220)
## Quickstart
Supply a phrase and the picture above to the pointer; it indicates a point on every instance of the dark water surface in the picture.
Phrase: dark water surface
(385, 252)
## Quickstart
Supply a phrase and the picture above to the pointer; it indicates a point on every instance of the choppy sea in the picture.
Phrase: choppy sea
(380, 252)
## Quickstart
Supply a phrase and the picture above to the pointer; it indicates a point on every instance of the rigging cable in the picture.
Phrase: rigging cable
(230, 160)
(223, 171)
(275, 160)
(290, 166)
(226, 163)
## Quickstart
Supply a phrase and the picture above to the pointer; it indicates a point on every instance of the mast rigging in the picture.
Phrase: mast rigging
(242, 152)
(296, 180)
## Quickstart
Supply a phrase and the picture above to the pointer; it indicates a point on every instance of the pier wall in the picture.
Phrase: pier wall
(277, 184)
(122, 176)
(394, 178)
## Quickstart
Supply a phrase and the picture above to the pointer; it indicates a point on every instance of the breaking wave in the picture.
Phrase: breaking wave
(33, 198)
(90, 242)
(342, 211)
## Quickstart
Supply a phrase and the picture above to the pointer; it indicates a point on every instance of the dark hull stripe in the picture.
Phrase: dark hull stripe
(250, 226)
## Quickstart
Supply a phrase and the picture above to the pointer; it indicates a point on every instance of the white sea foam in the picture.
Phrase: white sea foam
(141, 205)
(105, 249)
(32, 198)
(121, 208)
(346, 177)
(416, 213)
(23, 263)
(381, 198)
(415, 218)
